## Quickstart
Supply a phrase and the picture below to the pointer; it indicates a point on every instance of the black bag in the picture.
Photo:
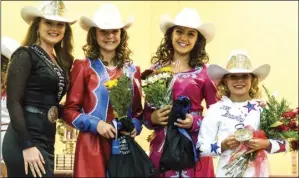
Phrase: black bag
(178, 150)
(130, 161)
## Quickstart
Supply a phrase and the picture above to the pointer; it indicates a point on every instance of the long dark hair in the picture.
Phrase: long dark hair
(165, 52)
(4, 66)
(92, 49)
(63, 54)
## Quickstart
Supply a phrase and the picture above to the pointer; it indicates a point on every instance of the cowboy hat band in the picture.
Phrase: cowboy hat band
(238, 62)
(106, 17)
(51, 10)
(188, 17)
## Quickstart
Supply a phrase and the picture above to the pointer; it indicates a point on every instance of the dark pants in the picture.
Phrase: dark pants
(13, 154)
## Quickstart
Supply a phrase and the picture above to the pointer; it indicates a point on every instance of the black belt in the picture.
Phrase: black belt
(36, 110)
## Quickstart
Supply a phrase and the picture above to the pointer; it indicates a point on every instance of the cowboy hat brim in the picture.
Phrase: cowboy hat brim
(86, 23)
(216, 72)
(206, 29)
(28, 13)
(8, 46)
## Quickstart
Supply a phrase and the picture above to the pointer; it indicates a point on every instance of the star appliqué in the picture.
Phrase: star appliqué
(250, 106)
(260, 105)
(214, 148)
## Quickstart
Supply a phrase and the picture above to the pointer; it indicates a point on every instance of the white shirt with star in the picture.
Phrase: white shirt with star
(222, 120)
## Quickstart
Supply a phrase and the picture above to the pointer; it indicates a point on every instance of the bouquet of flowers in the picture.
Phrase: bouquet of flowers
(128, 159)
(120, 94)
(279, 121)
(156, 87)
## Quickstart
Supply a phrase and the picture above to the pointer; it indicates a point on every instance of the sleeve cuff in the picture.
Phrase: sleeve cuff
(28, 144)
(86, 123)
(278, 146)
(213, 149)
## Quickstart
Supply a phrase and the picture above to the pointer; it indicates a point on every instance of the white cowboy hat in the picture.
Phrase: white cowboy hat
(106, 17)
(51, 10)
(188, 17)
(238, 62)
(8, 46)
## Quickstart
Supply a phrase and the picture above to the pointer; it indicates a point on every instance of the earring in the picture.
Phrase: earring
(251, 92)
(38, 38)
(61, 44)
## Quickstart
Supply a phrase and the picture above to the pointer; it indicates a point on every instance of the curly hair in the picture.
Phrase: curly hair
(4, 66)
(165, 52)
(254, 91)
(63, 54)
(92, 50)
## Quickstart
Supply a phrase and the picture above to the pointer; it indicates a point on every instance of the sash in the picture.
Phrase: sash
(101, 93)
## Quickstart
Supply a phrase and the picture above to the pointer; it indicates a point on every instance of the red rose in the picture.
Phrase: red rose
(283, 128)
(294, 144)
(289, 114)
(292, 124)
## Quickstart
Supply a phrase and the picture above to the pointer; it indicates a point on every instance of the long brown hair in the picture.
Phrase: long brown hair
(165, 52)
(254, 91)
(92, 49)
(4, 65)
(63, 54)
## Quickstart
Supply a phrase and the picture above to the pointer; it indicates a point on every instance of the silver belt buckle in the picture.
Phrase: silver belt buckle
(53, 114)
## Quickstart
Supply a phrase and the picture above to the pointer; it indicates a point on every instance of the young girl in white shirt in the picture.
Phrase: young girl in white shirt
(239, 107)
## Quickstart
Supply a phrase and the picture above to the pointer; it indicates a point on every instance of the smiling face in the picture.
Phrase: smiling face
(183, 39)
(51, 32)
(238, 85)
(108, 40)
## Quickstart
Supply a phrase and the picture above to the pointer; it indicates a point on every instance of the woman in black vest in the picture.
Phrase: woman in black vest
(37, 79)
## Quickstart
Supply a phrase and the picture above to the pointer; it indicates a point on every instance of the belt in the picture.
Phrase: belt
(36, 110)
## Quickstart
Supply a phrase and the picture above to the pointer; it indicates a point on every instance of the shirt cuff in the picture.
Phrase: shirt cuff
(28, 144)
(278, 146)
(86, 122)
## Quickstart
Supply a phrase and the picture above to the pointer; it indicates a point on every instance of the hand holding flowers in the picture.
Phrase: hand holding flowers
(160, 116)
(120, 94)
(156, 88)
(249, 154)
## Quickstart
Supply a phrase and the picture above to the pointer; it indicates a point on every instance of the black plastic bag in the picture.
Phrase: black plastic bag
(129, 159)
(179, 150)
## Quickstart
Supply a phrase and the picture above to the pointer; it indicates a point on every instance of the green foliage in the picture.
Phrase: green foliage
(289, 134)
(272, 114)
(121, 96)
(158, 94)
